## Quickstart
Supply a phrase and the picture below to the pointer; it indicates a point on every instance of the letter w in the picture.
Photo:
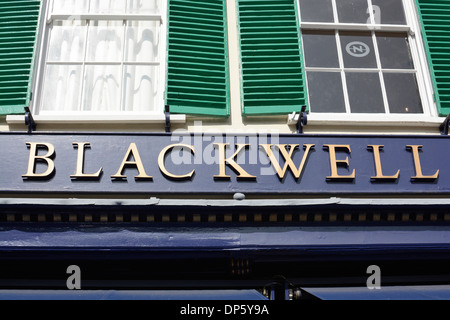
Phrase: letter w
(287, 155)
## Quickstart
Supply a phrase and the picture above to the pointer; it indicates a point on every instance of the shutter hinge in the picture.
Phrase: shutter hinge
(445, 126)
(167, 114)
(302, 120)
(29, 121)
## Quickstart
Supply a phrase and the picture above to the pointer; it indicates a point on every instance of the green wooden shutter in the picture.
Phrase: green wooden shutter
(19, 20)
(435, 19)
(197, 72)
(273, 79)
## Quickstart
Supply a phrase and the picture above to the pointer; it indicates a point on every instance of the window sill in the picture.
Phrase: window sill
(97, 119)
(345, 120)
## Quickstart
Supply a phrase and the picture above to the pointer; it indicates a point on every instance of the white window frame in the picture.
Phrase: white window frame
(156, 116)
(419, 57)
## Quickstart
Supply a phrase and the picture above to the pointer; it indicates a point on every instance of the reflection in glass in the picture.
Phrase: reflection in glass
(325, 92)
(389, 11)
(353, 11)
(394, 51)
(320, 49)
(316, 11)
(402, 93)
(364, 92)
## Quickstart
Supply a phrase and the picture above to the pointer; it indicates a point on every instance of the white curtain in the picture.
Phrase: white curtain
(70, 6)
(62, 88)
(107, 6)
(102, 65)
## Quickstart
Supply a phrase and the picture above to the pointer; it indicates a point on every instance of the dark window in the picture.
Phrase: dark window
(389, 12)
(357, 57)
(394, 51)
(353, 11)
(325, 92)
(320, 49)
(316, 11)
(364, 92)
(402, 93)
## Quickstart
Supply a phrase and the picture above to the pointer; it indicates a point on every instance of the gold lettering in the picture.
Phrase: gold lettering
(162, 166)
(378, 168)
(34, 146)
(132, 151)
(79, 174)
(223, 162)
(334, 162)
(288, 158)
(419, 175)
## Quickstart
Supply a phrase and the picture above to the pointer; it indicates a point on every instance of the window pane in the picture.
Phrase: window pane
(105, 41)
(140, 88)
(389, 11)
(316, 11)
(102, 88)
(103, 65)
(353, 11)
(320, 49)
(143, 6)
(62, 88)
(364, 92)
(358, 50)
(72, 6)
(325, 92)
(108, 6)
(142, 41)
(67, 41)
(402, 93)
(394, 51)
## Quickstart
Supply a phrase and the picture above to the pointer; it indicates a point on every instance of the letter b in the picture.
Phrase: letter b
(74, 281)
(374, 281)
(34, 146)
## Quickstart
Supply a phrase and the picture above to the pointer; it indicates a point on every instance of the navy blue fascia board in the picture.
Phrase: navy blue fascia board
(108, 150)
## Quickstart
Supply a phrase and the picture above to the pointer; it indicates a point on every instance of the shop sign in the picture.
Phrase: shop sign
(223, 164)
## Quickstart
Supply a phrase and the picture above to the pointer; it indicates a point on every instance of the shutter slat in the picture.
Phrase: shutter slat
(197, 75)
(272, 67)
(435, 18)
(18, 32)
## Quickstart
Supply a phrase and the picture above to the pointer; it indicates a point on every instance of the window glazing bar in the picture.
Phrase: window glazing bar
(354, 26)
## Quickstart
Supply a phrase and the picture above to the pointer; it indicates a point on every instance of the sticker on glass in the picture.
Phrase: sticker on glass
(357, 49)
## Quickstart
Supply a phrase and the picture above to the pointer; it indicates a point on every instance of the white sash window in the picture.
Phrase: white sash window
(102, 57)
(364, 58)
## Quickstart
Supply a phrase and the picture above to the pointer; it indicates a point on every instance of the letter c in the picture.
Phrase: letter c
(162, 165)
